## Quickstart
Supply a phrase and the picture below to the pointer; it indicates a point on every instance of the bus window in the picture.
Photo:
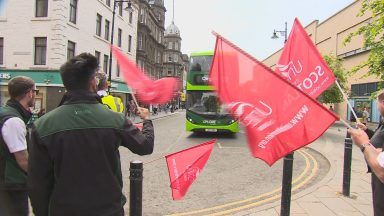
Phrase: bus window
(201, 63)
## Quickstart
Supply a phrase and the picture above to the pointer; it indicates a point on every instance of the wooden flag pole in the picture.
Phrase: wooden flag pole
(349, 104)
(134, 100)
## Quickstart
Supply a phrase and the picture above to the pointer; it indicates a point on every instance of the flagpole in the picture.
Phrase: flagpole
(134, 100)
(349, 104)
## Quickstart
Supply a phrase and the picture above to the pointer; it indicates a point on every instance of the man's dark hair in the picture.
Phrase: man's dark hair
(19, 86)
(78, 71)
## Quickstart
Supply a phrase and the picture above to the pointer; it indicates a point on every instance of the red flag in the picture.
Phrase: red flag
(302, 65)
(149, 92)
(185, 166)
(279, 118)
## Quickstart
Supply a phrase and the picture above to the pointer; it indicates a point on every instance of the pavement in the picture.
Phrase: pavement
(325, 198)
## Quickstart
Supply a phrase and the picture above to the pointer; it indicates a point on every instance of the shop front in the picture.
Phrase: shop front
(51, 89)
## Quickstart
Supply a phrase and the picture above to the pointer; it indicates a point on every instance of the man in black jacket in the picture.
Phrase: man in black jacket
(74, 163)
(371, 144)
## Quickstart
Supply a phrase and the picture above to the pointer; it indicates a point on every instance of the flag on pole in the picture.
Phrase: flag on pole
(302, 64)
(185, 166)
(278, 117)
(149, 91)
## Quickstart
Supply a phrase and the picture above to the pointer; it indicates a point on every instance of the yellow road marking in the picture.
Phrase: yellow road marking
(313, 173)
(307, 162)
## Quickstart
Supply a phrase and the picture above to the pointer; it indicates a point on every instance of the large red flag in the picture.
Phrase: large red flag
(302, 65)
(185, 166)
(279, 118)
(149, 92)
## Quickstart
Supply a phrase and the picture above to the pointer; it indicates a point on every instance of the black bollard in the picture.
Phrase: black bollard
(136, 188)
(287, 185)
(347, 167)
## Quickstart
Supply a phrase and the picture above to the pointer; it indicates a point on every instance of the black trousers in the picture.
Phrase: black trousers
(13, 203)
(378, 196)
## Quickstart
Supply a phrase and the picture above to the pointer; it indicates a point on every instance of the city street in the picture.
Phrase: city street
(231, 181)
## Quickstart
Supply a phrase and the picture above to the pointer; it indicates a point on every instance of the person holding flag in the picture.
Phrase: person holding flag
(74, 163)
(371, 144)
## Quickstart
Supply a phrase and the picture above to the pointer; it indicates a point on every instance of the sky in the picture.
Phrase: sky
(247, 23)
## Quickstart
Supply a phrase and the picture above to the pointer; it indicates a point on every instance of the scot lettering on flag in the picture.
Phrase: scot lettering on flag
(302, 64)
(185, 166)
(278, 117)
(149, 91)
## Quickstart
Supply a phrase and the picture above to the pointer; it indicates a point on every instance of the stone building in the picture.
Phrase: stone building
(150, 33)
(37, 37)
(329, 36)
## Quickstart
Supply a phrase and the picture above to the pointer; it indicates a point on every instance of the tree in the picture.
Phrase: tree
(373, 37)
(333, 94)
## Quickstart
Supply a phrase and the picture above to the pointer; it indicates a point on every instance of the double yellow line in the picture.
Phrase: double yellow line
(269, 197)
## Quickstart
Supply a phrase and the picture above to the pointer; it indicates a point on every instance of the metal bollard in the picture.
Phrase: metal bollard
(347, 166)
(136, 188)
(287, 185)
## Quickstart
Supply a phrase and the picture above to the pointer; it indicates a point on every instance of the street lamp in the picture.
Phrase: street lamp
(129, 9)
(282, 33)
(286, 189)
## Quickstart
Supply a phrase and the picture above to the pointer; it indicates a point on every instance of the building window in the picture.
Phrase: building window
(176, 46)
(129, 43)
(71, 50)
(117, 70)
(121, 9)
(108, 2)
(73, 11)
(140, 63)
(1, 51)
(364, 89)
(140, 42)
(106, 30)
(97, 55)
(170, 58)
(175, 58)
(142, 15)
(41, 8)
(130, 17)
(119, 34)
(40, 50)
(169, 45)
(98, 24)
(105, 65)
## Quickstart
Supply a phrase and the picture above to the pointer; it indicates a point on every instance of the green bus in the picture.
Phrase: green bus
(203, 110)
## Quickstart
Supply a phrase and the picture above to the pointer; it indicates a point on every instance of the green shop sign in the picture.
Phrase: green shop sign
(50, 78)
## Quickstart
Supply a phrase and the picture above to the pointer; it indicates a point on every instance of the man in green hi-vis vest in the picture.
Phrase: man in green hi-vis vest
(74, 163)
(13, 146)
